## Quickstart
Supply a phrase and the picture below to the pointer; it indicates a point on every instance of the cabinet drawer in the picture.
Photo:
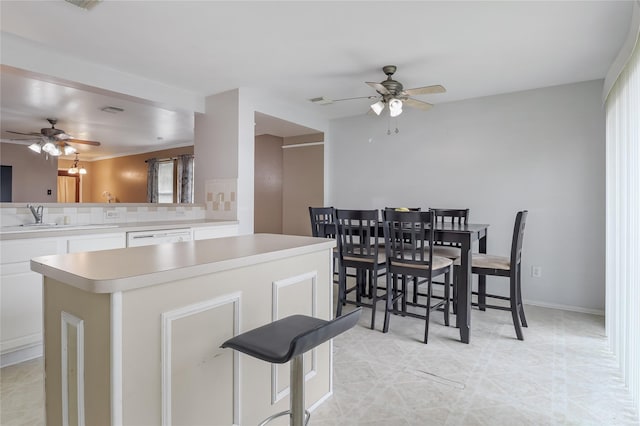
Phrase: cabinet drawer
(215, 232)
(96, 242)
(24, 250)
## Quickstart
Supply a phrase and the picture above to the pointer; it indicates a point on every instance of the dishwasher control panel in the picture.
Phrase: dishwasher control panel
(158, 236)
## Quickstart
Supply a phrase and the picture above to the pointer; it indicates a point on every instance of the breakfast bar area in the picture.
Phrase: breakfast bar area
(132, 336)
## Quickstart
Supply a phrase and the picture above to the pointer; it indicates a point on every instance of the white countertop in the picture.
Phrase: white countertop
(17, 233)
(110, 271)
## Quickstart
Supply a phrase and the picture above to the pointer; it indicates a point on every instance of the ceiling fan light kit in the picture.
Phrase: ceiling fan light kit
(377, 107)
(395, 107)
(35, 147)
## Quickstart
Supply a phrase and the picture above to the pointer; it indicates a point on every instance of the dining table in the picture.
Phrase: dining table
(465, 235)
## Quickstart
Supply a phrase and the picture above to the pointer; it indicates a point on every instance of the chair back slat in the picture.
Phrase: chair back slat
(408, 238)
(357, 232)
(452, 217)
(322, 222)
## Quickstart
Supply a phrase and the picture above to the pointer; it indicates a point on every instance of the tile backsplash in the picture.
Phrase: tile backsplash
(12, 214)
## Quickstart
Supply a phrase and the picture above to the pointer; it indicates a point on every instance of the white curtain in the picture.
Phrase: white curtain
(623, 222)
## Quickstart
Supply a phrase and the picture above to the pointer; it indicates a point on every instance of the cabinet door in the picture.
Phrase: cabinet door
(21, 307)
(96, 242)
(215, 232)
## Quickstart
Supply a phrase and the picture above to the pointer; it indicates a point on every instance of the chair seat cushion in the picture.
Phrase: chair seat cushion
(381, 258)
(488, 261)
(438, 262)
(446, 251)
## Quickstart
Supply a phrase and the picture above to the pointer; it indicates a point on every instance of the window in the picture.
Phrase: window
(165, 182)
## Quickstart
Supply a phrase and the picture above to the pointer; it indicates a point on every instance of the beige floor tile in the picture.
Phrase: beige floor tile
(562, 374)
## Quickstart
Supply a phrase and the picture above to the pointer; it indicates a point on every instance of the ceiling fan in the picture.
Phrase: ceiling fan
(391, 93)
(53, 141)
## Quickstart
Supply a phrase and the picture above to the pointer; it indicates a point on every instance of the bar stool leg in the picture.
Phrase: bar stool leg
(296, 391)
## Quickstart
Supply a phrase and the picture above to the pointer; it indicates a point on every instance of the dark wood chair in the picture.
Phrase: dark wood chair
(453, 217)
(449, 249)
(358, 248)
(323, 226)
(510, 267)
(409, 241)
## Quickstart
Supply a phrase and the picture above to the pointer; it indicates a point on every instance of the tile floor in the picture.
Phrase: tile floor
(562, 374)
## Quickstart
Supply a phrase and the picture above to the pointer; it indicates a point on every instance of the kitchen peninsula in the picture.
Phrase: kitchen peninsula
(132, 335)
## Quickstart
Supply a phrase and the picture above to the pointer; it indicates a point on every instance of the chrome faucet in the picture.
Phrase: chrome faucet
(37, 212)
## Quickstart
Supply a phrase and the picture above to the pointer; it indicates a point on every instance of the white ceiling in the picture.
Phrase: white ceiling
(301, 50)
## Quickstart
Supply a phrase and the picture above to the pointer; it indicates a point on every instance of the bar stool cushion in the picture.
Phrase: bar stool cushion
(288, 337)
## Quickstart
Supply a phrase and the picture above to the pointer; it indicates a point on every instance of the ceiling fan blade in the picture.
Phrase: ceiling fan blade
(25, 134)
(80, 141)
(23, 140)
(379, 88)
(417, 104)
(426, 90)
(358, 97)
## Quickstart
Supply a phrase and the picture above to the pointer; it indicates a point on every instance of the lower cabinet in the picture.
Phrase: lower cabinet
(218, 231)
(21, 298)
(21, 289)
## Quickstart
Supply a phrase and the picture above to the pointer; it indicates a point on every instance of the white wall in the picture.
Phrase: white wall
(540, 150)
(27, 55)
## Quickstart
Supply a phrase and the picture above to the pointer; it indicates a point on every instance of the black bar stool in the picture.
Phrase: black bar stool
(287, 340)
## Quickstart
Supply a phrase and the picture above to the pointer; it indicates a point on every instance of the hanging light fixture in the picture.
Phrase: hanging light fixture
(377, 107)
(35, 147)
(68, 149)
(73, 170)
(395, 107)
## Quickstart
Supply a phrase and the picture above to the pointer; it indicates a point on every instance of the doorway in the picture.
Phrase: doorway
(288, 175)
(68, 187)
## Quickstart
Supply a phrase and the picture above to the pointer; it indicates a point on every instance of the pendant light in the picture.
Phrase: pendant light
(73, 170)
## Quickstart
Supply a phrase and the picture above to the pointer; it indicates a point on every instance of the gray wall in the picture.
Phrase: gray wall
(33, 173)
(542, 150)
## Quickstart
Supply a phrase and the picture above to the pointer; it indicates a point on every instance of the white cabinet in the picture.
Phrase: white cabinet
(21, 289)
(217, 231)
(96, 242)
(21, 297)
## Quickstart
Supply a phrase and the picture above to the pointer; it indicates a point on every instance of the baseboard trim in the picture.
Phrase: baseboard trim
(570, 308)
(21, 355)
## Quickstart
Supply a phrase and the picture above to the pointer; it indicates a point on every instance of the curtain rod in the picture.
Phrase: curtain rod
(162, 159)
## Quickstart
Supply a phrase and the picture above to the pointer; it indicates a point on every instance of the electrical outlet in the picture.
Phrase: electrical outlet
(111, 214)
(536, 271)
(180, 213)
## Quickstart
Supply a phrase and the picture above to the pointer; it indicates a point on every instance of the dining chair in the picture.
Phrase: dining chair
(357, 232)
(409, 252)
(323, 226)
(487, 264)
(451, 250)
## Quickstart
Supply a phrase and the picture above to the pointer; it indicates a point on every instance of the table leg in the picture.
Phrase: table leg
(463, 317)
(482, 279)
